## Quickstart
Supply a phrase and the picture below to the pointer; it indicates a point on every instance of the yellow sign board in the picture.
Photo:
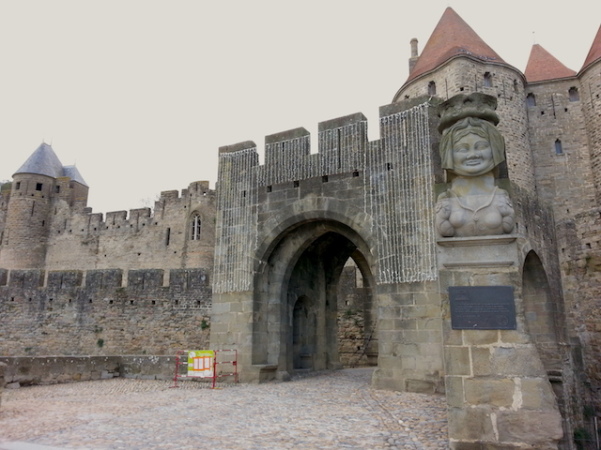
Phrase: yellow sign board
(201, 363)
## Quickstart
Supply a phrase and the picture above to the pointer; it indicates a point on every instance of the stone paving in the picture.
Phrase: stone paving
(329, 410)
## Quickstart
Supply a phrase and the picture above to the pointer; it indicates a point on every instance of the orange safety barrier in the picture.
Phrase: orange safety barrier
(206, 364)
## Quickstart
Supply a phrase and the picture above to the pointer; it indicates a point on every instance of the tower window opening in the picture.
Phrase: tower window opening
(431, 88)
(17, 185)
(195, 230)
(57, 189)
(487, 79)
(530, 99)
(38, 186)
(558, 147)
(573, 94)
(168, 236)
(324, 179)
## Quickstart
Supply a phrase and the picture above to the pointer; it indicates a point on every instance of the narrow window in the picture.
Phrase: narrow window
(38, 186)
(573, 94)
(558, 147)
(167, 236)
(432, 88)
(487, 80)
(530, 99)
(195, 231)
(17, 186)
(57, 189)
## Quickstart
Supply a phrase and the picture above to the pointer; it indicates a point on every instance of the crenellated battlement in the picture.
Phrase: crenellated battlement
(104, 311)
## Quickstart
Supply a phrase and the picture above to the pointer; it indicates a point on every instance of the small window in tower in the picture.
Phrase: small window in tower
(487, 80)
(530, 99)
(573, 94)
(432, 88)
(38, 186)
(195, 231)
(558, 147)
(57, 189)
(17, 185)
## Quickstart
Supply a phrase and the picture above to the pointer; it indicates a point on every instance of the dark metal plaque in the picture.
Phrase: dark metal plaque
(482, 308)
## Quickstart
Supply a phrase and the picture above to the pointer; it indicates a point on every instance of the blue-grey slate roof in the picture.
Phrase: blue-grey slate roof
(44, 161)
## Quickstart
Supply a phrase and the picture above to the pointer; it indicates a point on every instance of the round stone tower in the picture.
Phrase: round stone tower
(36, 185)
(590, 79)
(456, 60)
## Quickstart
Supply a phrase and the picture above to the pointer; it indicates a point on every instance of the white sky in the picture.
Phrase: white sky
(140, 94)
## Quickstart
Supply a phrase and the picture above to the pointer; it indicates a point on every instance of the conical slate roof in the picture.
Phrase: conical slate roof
(452, 37)
(543, 66)
(595, 52)
(43, 161)
(73, 173)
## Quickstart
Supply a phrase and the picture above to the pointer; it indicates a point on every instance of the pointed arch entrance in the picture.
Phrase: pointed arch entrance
(295, 304)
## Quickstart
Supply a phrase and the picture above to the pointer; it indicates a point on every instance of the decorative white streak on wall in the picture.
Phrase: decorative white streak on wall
(401, 198)
(236, 228)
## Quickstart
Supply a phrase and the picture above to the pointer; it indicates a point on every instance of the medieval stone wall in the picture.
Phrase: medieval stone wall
(140, 239)
(590, 80)
(580, 255)
(559, 145)
(97, 312)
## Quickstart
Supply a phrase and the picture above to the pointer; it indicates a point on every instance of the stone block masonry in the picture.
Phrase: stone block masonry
(98, 313)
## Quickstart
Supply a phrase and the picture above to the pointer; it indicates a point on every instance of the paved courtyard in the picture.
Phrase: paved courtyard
(330, 410)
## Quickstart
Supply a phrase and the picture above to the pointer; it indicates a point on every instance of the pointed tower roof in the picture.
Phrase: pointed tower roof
(452, 37)
(543, 66)
(73, 173)
(43, 161)
(595, 52)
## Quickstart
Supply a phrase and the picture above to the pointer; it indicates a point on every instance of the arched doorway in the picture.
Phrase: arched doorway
(295, 305)
(541, 312)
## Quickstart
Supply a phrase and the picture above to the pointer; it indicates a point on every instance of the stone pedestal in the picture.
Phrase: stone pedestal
(498, 392)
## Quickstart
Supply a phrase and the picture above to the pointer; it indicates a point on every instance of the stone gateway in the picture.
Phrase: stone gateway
(459, 253)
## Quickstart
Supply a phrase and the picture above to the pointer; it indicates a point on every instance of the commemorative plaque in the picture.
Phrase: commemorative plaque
(482, 308)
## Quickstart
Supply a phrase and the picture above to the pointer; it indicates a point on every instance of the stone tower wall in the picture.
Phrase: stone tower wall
(24, 241)
(564, 176)
(466, 75)
(590, 93)
(139, 239)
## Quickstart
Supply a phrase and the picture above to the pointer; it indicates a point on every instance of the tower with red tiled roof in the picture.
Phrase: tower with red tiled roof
(457, 60)
(550, 116)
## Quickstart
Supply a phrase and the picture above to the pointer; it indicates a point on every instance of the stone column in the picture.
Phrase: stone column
(498, 393)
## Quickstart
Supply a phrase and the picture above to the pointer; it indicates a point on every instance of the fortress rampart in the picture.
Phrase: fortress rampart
(103, 312)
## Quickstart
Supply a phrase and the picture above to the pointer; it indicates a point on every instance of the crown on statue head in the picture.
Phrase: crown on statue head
(460, 106)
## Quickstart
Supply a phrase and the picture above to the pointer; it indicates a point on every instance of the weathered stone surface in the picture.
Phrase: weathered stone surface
(483, 391)
(541, 429)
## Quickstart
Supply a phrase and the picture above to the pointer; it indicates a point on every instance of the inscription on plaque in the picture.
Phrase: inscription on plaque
(482, 308)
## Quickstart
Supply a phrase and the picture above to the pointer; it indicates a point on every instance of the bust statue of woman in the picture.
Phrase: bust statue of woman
(473, 205)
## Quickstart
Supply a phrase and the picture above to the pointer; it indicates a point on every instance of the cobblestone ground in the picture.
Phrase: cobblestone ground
(330, 410)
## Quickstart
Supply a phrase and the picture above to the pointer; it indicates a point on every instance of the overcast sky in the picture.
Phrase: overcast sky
(140, 94)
